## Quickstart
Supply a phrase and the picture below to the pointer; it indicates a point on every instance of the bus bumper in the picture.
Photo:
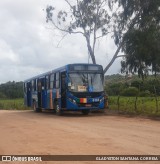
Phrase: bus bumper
(74, 106)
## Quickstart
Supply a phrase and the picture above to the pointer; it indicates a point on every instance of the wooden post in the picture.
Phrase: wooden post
(118, 102)
(156, 99)
(135, 104)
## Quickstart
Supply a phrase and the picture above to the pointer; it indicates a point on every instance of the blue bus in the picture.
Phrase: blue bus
(74, 87)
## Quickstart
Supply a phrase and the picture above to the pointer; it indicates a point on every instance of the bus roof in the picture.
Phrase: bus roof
(60, 69)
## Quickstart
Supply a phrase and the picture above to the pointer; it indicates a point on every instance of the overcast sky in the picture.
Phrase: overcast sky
(28, 46)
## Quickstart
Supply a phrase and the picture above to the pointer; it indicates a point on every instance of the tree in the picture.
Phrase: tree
(141, 40)
(90, 18)
(94, 19)
(87, 17)
(11, 90)
(143, 52)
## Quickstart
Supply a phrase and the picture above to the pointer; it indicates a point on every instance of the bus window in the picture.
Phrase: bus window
(32, 85)
(39, 86)
(47, 82)
(35, 84)
(43, 83)
(52, 81)
(57, 80)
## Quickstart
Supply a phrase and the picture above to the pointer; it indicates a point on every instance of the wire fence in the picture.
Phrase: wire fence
(138, 105)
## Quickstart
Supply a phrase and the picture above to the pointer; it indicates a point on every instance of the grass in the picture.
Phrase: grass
(144, 105)
(17, 104)
(139, 106)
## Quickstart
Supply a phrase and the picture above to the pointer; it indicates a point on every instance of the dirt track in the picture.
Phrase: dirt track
(26, 132)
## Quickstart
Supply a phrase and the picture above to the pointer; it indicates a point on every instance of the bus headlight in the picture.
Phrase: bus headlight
(101, 100)
(72, 100)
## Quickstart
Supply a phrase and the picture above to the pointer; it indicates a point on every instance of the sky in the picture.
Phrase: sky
(28, 45)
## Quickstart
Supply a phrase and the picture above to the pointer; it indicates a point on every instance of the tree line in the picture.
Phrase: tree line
(114, 85)
(120, 85)
(11, 90)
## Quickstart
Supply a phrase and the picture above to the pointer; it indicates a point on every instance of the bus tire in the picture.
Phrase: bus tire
(35, 108)
(38, 110)
(57, 109)
(85, 112)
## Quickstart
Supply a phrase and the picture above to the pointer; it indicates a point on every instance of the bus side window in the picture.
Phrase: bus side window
(32, 85)
(52, 81)
(57, 80)
(35, 85)
(43, 83)
(39, 85)
(47, 82)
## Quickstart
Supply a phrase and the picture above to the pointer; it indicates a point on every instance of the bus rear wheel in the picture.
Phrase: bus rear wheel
(58, 110)
(85, 112)
(35, 107)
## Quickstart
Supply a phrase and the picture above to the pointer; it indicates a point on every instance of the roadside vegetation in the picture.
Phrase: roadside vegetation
(11, 90)
(148, 106)
(132, 86)
(11, 95)
(128, 95)
(132, 95)
(10, 104)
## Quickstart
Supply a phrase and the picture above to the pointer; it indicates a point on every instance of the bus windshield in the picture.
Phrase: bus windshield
(85, 82)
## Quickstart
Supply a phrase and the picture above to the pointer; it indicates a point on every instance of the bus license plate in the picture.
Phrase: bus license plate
(88, 105)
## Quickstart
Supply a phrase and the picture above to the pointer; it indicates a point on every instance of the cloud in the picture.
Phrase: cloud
(28, 46)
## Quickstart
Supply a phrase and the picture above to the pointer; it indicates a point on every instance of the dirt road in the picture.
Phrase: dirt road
(26, 132)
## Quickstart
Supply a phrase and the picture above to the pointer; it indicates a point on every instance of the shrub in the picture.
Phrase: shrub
(131, 91)
(145, 93)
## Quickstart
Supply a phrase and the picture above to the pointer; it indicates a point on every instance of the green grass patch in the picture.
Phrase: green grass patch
(141, 106)
(17, 104)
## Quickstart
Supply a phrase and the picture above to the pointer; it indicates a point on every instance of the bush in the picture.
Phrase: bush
(131, 91)
(145, 94)
(2, 96)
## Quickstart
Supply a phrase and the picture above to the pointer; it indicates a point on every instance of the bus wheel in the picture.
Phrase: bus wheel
(38, 110)
(58, 110)
(35, 108)
(85, 112)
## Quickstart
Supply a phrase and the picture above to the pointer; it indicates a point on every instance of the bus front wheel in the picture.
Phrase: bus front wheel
(85, 112)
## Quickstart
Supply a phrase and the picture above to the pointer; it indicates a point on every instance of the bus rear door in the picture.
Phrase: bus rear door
(29, 97)
(42, 95)
(63, 89)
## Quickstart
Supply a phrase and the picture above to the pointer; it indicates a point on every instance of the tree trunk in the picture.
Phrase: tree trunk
(114, 57)
(90, 49)
(121, 44)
